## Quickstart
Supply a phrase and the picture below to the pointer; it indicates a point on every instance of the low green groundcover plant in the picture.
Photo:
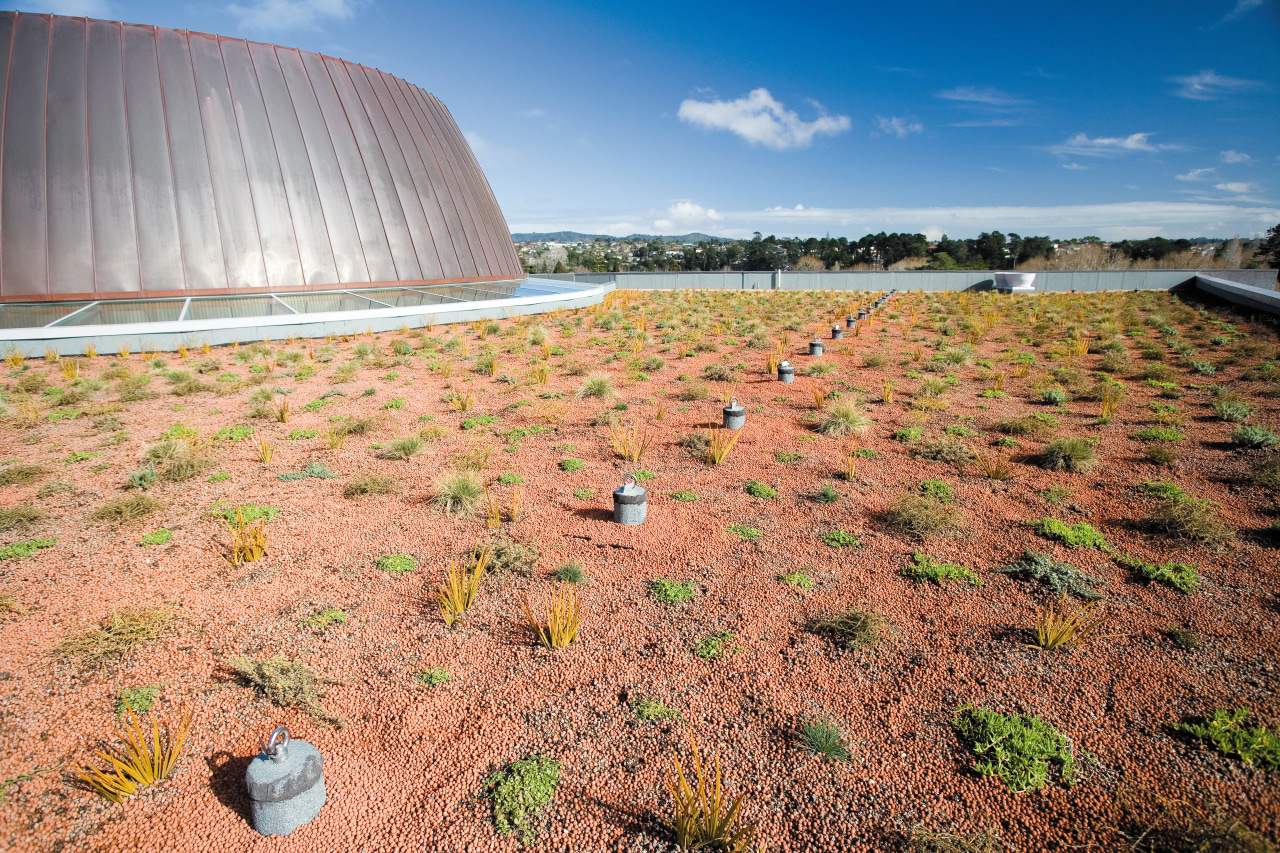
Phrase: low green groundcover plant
(760, 490)
(1225, 730)
(19, 550)
(1058, 576)
(570, 465)
(672, 592)
(718, 645)
(925, 569)
(841, 539)
(1079, 535)
(684, 496)
(744, 532)
(1157, 434)
(520, 791)
(1182, 577)
(1019, 749)
(397, 564)
(1162, 490)
(800, 580)
(163, 536)
(1254, 436)
(433, 676)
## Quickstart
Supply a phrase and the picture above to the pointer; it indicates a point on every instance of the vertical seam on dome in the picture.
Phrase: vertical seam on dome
(426, 136)
(235, 117)
(466, 160)
(447, 188)
(4, 121)
(48, 60)
(373, 86)
(284, 187)
(213, 195)
(356, 141)
(341, 173)
(173, 174)
(328, 235)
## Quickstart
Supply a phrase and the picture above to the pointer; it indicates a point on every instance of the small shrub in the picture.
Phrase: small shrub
(651, 709)
(718, 373)
(854, 628)
(1266, 473)
(923, 568)
(672, 592)
(1182, 638)
(759, 490)
(948, 450)
(787, 455)
(1069, 454)
(570, 465)
(1018, 749)
(510, 479)
(1034, 425)
(1226, 732)
(1058, 576)
(694, 390)
(1254, 437)
(1054, 396)
(1232, 409)
(1081, 535)
(1160, 455)
(936, 489)
(286, 683)
(907, 435)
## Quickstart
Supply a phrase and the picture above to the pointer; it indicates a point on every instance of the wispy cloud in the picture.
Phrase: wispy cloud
(1209, 85)
(1076, 167)
(281, 15)
(1197, 175)
(1242, 6)
(1240, 187)
(1081, 145)
(537, 112)
(761, 120)
(899, 126)
(1234, 157)
(986, 96)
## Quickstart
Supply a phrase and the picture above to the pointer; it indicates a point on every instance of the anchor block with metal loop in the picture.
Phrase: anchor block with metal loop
(286, 784)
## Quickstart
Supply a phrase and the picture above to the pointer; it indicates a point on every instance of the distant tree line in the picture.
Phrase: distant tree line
(987, 251)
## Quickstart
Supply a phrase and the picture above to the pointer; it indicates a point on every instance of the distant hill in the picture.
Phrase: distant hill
(575, 237)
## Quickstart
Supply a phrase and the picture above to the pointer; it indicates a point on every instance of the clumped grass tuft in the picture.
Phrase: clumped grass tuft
(947, 450)
(125, 510)
(459, 493)
(919, 516)
(287, 683)
(1018, 749)
(1069, 454)
(1266, 473)
(823, 736)
(401, 448)
(369, 484)
(1189, 517)
(21, 475)
(925, 569)
(597, 385)
(854, 628)
(844, 417)
(570, 572)
(1058, 576)
(119, 633)
(1081, 535)
(22, 516)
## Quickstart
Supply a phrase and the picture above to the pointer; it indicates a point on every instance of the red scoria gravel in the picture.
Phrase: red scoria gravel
(406, 769)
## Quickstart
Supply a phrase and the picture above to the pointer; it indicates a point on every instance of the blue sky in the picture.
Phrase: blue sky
(1118, 119)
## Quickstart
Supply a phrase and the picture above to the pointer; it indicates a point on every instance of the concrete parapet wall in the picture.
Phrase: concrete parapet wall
(1241, 294)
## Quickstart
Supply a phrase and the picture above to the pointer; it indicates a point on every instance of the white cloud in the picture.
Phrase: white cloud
(537, 112)
(1209, 85)
(687, 216)
(899, 126)
(1196, 175)
(1234, 157)
(1236, 187)
(761, 120)
(986, 96)
(1081, 145)
(1076, 167)
(73, 8)
(1242, 6)
(277, 15)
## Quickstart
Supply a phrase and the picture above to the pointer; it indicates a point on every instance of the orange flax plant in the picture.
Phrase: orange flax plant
(564, 617)
(140, 762)
(704, 818)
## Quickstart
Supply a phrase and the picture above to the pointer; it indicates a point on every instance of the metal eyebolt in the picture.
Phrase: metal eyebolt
(276, 746)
